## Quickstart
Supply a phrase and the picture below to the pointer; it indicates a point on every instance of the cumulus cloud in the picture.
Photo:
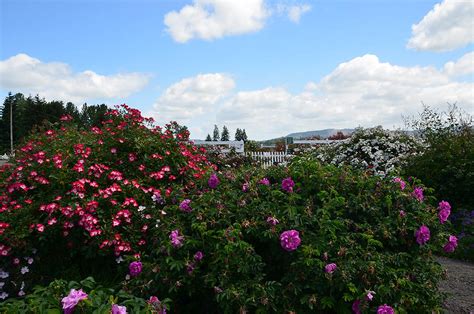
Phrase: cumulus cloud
(192, 96)
(294, 12)
(212, 19)
(363, 91)
(464, 66)
(56, 80)
(449, 25)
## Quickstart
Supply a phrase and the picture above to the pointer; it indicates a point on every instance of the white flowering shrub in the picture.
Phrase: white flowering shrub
(375, 149)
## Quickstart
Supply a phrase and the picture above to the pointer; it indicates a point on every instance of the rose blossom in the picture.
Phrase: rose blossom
(198, 256)
(287, 185)
(185, 207)
(176, 239)
(418, 194)
(385, 309)
(401, 182)
(272, 221)
(356, 307)
(213, 181)
(444, 211)
(70, 302)
(264, 181)
(135, 268)
(118, 309)
(290, 240)
(422, 235)
(330, 268)
(451, 245)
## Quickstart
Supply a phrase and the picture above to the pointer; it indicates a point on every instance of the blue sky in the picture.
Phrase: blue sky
(272, 67)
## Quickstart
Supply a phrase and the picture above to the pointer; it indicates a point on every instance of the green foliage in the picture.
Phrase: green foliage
(100, 299)
(343, 217)
(241, 135)
(215, 134)
(225, 134)
(251, 146)
(238, 134)
(32, 112)
(447, 165)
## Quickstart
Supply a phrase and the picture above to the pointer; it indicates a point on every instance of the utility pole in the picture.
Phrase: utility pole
(11, 129)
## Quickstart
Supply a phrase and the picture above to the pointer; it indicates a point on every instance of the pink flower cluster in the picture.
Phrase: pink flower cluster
(444, 211)
(418, 194)
(101, 168)
(401, 182)
(451, 245)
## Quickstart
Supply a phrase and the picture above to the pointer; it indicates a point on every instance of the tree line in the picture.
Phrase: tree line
(240, 135)
(29, 113)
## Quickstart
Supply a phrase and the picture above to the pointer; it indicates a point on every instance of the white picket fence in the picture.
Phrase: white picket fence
(267, 159)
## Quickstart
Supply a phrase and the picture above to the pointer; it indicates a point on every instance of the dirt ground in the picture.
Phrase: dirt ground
(459, 284)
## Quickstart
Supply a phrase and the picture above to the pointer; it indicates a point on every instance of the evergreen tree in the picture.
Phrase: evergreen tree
(244, 136)
(93, 115)
(215, 134)
(208, 138)
(238, 134)
(225, 134)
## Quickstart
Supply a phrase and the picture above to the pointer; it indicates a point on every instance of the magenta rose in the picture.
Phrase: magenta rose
(422, 235)
(290, 240)
(451, 245)
(330, 268)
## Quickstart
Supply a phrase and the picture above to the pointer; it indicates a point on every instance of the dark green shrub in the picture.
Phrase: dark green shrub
(342, 216)
(447, 165)
(99, 299)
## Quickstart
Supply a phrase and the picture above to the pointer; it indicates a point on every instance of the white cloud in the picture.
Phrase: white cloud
(294, 12)
(212, 19)
(449, 25)
(192, 96)
(464, 66)
(56, 80)
(363, 91)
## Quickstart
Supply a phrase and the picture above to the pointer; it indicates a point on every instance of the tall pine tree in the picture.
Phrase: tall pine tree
(215, 135)
(238, 134)
(244, 136)
(225, 134)
(208, 138)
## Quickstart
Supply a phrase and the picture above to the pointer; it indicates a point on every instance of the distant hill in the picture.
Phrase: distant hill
(321, 133)
(302, 135)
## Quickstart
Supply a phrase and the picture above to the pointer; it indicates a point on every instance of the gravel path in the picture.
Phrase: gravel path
(459, 284)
